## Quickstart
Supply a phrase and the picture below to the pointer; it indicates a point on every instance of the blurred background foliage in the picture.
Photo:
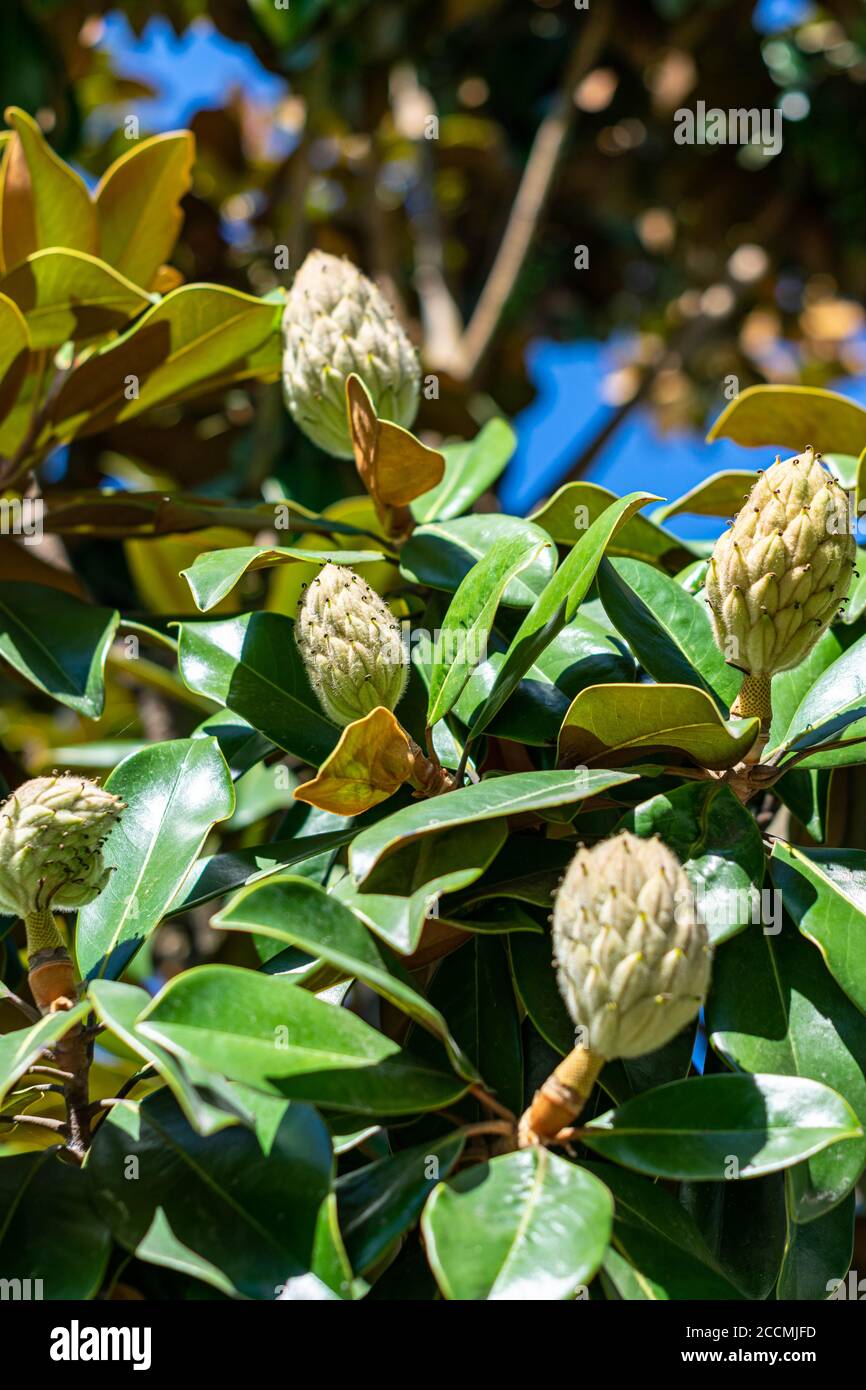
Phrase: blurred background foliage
(553, 129)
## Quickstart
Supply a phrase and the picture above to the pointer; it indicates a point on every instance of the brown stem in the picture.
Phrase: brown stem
(484, 1097)
(561, 1099)
(428, 775)
(532, 195)
(40, 1121)
(53, 985)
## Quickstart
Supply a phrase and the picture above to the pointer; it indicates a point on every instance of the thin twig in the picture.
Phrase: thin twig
(532, 195)
(488, 1127)
(40, 1121)
(40, 1086)
(108, 1101)
(485, 1098)
(49, 1071)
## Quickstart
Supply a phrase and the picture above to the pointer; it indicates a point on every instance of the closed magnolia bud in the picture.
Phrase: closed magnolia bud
(351, 645)
(778, 574)
(337, 322)
(633, 958)
(51, 830)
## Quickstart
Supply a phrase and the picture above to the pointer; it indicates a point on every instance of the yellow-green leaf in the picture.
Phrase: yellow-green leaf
(138, 204)
(372, 759)
(14, 353)
(198, 337)
(45, 202)
(621, 721)
(791, 417)
(70, 295)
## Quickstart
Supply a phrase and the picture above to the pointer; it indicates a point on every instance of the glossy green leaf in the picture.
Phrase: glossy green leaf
(667, 629)
(470, 469)
(581, 655)
(774, 1008)
(441, 554)
(379, 1202)
(117, 1006)
(612, 722)
(215, 1207)
(174, 793)
(833, 708)
(573, 508)
(299, 913)
(790, 417)
(279, 1039)
(69, 295)
(824, 890)
(496, 797)
(218, 874)
(58, 643)
(51, 1239)
(557, 604)
(462, 640)
(527, 1226)
(719, 846)
(21, 1048)
(790, 688)
(215, 573)
(528, 869)
(241, 745)
(405, 888)
(710, 1128)
(251, 665)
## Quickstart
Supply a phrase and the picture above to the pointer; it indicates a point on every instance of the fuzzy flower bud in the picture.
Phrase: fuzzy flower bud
(351, 645)
(633, 959)
(778, 574)
(337, 322)
(51, 830)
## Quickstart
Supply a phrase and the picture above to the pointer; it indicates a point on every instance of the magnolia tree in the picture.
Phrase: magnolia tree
(550, 983)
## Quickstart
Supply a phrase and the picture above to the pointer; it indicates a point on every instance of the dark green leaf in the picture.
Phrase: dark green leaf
(217, 1208)
(719, 845)
(51, 1239)
(773, 1007)
(57, 643)
(279, 1039)
(252, 666)
(510, 795)
(174, 793)
(667, 629)
(557, 604)
(711, 1128)
(824, 890)
(379, 1202)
